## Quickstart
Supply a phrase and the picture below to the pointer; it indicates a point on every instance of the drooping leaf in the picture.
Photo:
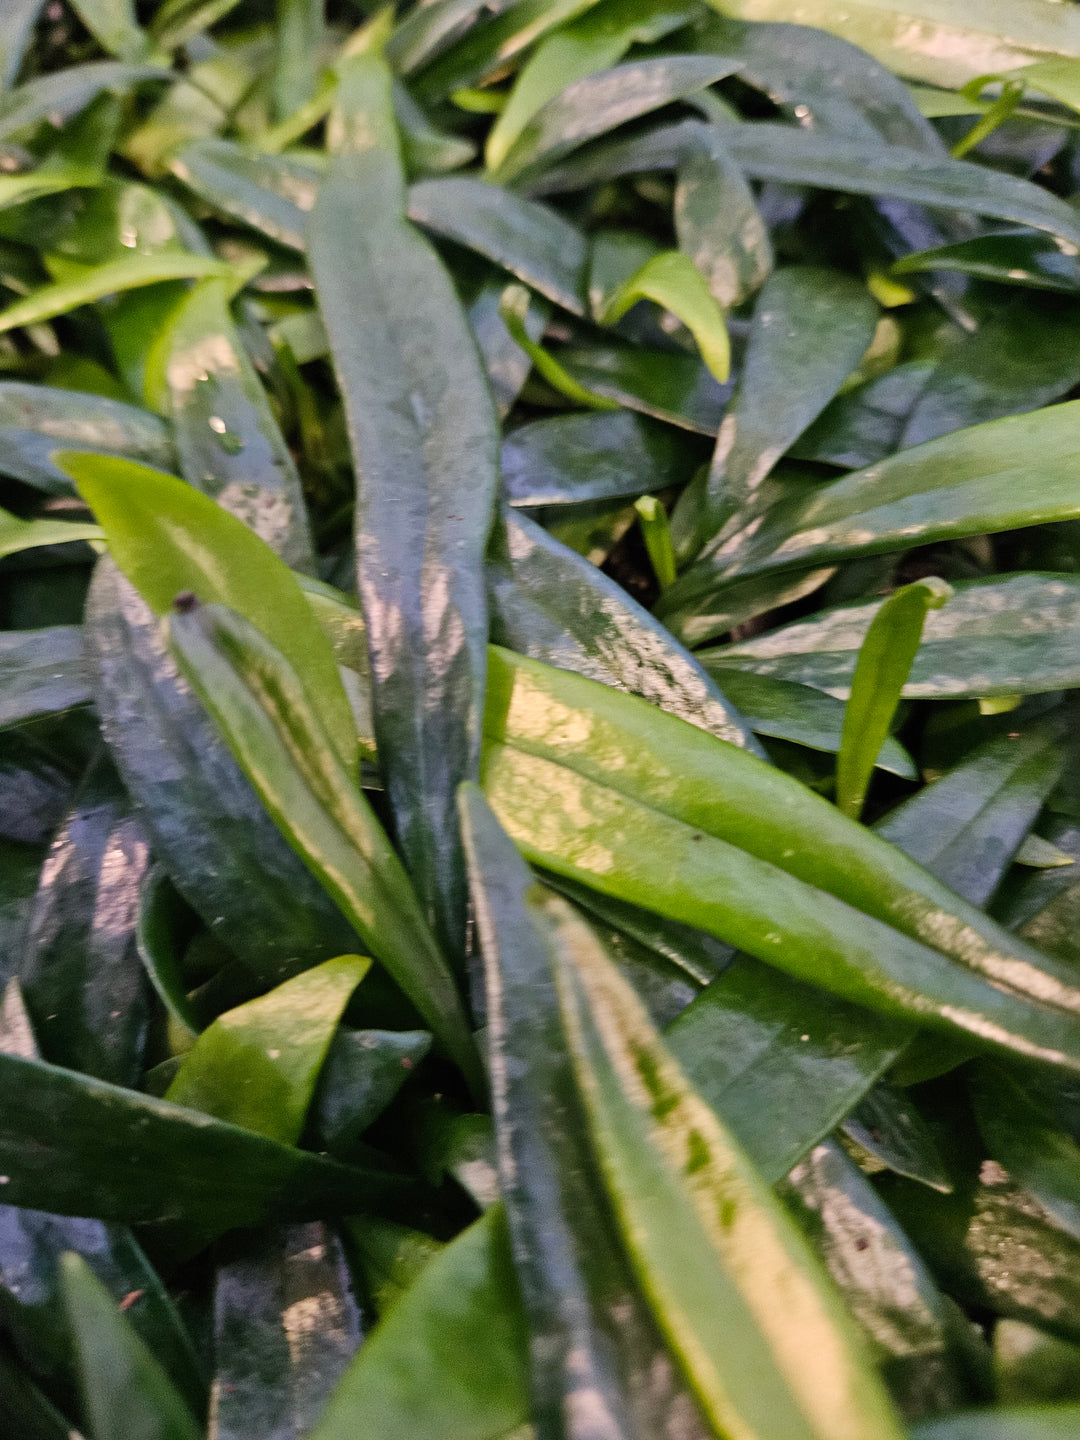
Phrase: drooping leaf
(423, 434)
(17, 534)
(673, 281)
(62, 94)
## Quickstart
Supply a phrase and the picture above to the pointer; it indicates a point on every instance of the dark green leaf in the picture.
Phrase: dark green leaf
(42, 672)
(718, 223)
(35, 420)
(886, 1126)
(229, 443)
(364, 1070)
(424, 437)
(84, 984)
(1056, 1422)
(787, 711)
(552, 604)
(1011, 635)
(668, 385)
(77, 1146)
(1012, 256)
(1031, 1366)
(573, 1274)
(260, 708)
(286, 1324)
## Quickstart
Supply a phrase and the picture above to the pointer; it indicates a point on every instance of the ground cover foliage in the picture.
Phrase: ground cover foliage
(539, 824)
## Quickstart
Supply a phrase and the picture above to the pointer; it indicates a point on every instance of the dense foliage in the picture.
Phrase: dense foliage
(539, 806)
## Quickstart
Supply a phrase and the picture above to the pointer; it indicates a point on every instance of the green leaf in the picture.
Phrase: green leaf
(158, 940)
(966, 826)
(24, 1408)
(665, 384)
(1014, 256)
(77, 1146)
(718, 223)
(21, 17)
(113, 25)
(702, 1228)
(571, 1269)
(656, 533)
(262, 711)
(272, 1375)
(169, 540)
(809, 331)
(910, 1327)
(886, 1127)
(588, 108)
(59, 96)
(1031, 1366)
(363, 1071)
(881, 672)
(448, 1360)
(79, 968)
(530, 240)
(574, 459)
(786, 711)
(42, 672)
(1057, 1422)
(553, 605)
(17, 534)
(771, 868)
(581, 47)
(228, 441)
(514, 313)
(35, 420)
(221, 849)
(780, 1063)
(1024, 1138)
(672, 280)
(110, 279)
(256, 1066)
(427, 470)
(269, 193)
(125, 1392)
(1011, 635)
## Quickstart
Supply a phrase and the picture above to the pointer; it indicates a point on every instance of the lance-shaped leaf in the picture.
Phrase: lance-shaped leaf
(261, 709)
(551, 604)
(701, 1227)
(1011, 635)
(42, 672)
(24, 1408)
(21, 17)
(449, 1358)
(1014, 256)
(718, 223)
(17, 534)
(967, 826)
(169, 539)
(269, 193)
(79, 968)
(36, 419)
(809, 331)
(286, 1325)
(530, 240)
(881, 672)
(222, 851)
(588, 1369)
(754, 858)
(574, 459)
(887, 1127)
(77, 1146)
(364, 1070)
(124, 1390)
(667, 385)
(590, 107)
(256, 1066)
(1037, 1422)
(787, 711)
(109, 279)
(62, 94)
(228, 441)
(1033, 1366)
(424, 438)
(672, 280)
(779, 1062)
(514, 307)
(914, 1334)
